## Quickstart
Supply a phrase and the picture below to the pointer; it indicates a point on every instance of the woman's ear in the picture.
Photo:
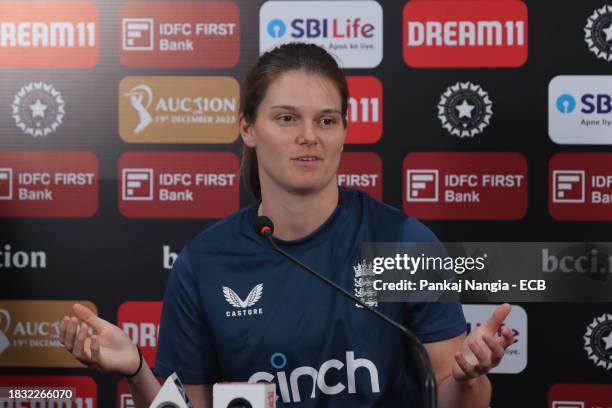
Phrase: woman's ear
(246, 131)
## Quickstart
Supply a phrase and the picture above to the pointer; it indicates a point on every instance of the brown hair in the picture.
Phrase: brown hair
(287, 57)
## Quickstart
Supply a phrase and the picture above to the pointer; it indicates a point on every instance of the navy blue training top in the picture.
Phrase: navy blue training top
(236, 310)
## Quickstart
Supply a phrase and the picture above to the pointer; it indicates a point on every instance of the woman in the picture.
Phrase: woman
(236, 310)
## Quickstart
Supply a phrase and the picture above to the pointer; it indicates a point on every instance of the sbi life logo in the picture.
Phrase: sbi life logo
(289, 389)
(333, 28)
(277, 28)
(580, 109)
(590, 103)
(566, 103)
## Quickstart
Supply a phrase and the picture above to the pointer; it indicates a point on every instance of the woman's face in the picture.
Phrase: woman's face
(298, 133)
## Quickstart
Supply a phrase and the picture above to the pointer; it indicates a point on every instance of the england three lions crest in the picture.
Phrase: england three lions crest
(364, 283)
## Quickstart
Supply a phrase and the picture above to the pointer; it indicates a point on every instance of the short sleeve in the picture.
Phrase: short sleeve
(434, 321)
(431, 321)
(185, 344)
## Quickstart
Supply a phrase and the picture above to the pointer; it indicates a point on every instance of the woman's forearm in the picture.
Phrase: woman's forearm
(473, 394)
(144, 387)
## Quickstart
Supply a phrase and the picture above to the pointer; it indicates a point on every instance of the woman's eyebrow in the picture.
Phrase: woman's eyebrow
(293, 108)
(286, 107)
(331, 110)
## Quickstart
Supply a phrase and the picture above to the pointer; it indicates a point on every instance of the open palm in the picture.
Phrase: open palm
(108, 349)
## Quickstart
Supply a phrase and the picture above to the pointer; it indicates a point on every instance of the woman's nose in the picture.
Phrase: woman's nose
(307, 135)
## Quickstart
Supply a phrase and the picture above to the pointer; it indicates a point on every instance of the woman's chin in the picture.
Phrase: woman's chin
(307, 188)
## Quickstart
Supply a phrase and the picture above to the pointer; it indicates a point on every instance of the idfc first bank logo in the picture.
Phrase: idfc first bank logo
(580, 109)
(580, 396)
(350, 30)
(179, 34)
(465, 33)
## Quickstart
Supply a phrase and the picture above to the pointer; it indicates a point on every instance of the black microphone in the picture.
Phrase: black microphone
(265, 228)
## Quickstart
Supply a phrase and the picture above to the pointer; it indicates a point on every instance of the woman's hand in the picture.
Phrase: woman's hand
(483, 349)
(109, 349)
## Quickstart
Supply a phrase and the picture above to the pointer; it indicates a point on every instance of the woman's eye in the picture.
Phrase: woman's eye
(328, 121)
(285, 118)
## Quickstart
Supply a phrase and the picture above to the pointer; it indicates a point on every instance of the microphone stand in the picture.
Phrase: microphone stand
(430, 392)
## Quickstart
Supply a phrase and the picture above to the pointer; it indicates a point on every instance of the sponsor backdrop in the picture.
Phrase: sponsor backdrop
(490, 121)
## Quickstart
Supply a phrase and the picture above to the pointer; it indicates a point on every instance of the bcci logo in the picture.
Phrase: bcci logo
(364, 284)
(38, 109)
(598, 33)
(598, 341)
(465, 109)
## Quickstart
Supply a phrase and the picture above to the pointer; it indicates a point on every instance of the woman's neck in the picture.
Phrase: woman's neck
(296, 216)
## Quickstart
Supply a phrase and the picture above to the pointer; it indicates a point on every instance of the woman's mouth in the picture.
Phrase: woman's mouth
(307, 160)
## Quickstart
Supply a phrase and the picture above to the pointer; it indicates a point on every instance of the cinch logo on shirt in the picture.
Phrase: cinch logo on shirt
(244, 305)
(290, 391)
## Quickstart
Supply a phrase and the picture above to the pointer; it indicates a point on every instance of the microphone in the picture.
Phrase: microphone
(172, 395)
(244, 395)
(265, 228)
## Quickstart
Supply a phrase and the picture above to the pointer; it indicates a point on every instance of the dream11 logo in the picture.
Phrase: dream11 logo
(451, 33)
(365, 110)
(140, 321)
(60, 35)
